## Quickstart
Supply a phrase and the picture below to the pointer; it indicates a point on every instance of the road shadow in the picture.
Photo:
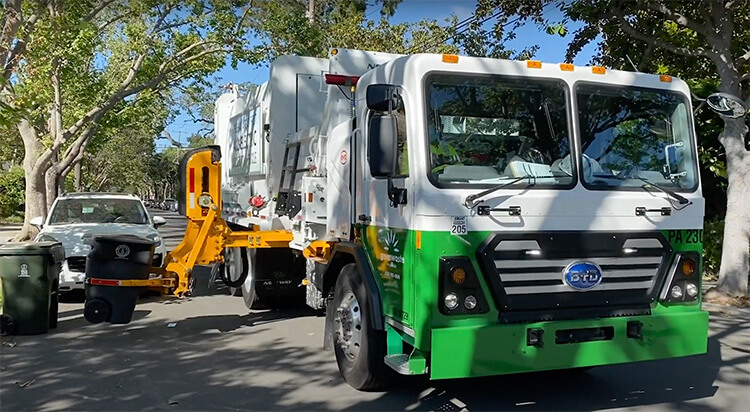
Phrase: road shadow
(258, 361)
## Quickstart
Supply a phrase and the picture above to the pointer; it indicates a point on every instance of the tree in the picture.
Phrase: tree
(70, 67)
(701, 40)
(288, 27)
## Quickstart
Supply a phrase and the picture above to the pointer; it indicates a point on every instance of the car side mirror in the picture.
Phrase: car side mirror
(158, 221)
(382, 148)
(37, 222)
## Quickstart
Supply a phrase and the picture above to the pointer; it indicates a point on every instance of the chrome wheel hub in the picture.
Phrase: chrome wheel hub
(348, 326)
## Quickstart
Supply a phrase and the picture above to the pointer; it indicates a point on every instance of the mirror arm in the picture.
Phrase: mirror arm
(396, 195)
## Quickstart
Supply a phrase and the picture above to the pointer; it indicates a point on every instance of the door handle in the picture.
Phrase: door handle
(641, 211)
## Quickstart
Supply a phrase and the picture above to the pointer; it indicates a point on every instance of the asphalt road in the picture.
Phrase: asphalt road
(219, 356)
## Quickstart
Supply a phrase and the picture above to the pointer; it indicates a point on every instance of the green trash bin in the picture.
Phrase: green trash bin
(30, 275)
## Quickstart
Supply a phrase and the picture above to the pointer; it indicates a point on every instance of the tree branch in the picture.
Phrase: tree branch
(97, 9)
(629, 29)
(681, 19)
(12, 22)
(10, 59)
(77, 148)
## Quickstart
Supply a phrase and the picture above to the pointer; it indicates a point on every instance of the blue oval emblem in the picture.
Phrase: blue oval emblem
(582, 275)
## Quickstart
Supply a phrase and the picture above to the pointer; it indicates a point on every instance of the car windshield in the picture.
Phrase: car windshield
(98, 210)
(490, 129)
(629, 134)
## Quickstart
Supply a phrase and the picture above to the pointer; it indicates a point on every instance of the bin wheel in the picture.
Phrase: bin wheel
(97, 310)
(53, 309)
(8, 326)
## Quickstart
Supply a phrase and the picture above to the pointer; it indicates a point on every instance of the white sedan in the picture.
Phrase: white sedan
(78, 217)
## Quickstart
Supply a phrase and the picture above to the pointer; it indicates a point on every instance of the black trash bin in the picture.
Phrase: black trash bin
(30, 276)
(115, 257)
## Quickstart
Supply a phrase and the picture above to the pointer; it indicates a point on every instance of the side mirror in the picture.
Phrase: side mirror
(382, 147)
(381, 98)
(158, 221)
(37, 222)
(673, 155)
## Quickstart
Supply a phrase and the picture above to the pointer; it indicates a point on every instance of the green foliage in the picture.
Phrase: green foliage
(12, 185)
(285, 28)
(713, 236)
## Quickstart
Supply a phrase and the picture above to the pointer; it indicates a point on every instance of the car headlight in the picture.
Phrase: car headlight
(156, 239)
(43, 237)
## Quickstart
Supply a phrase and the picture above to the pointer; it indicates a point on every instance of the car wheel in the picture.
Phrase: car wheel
(359, 348)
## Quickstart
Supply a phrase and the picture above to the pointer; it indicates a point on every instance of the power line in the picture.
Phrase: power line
(463, 26)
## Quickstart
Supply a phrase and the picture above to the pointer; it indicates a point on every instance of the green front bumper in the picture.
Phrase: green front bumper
(460, 352)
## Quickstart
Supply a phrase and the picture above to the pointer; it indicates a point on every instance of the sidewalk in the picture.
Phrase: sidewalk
(8, 230)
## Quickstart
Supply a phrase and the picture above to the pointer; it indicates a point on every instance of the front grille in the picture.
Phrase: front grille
(77, 263)
(525, 273)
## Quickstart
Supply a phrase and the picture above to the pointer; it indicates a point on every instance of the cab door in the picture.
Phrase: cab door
(385, 201)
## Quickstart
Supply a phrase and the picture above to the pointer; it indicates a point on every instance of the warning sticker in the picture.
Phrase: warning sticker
(458, 227)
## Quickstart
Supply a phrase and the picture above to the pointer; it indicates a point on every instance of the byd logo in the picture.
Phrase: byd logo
(582, 275)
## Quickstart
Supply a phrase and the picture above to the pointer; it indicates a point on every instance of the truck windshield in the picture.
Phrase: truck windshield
(485, 130)
(629, 134)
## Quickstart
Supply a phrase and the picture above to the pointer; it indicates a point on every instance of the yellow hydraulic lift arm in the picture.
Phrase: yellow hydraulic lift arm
(207, 234)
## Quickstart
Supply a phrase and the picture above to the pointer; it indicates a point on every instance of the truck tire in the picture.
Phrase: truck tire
(247, 289)
(359, 348)
(235, 269)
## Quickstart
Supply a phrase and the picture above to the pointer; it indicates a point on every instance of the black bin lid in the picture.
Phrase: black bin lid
(53, 249)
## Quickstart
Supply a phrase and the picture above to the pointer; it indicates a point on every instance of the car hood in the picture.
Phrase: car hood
(72, 236)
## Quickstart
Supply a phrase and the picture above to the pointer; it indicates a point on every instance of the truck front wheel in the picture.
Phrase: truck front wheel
(359, 348)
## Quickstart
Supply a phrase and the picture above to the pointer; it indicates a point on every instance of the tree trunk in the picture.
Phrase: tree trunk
(735, 264)
(35, 193)
(51, 180)
(77, 177)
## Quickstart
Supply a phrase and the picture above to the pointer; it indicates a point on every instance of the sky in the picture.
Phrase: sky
(551, 48)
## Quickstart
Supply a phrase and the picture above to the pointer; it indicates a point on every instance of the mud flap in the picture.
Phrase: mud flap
(328, 329)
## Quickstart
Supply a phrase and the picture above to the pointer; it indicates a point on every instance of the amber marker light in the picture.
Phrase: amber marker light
(458, 276)
(665, 78)
(688, 267)
(533, 64)
(450, 58)
(598, 70)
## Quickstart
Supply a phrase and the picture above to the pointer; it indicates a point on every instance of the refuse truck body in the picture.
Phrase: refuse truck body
(462, 216)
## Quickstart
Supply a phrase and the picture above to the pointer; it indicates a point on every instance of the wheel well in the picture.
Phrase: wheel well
(334, 270)
(343, 254)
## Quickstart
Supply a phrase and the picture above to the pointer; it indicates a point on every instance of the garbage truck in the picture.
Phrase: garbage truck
(461, 216)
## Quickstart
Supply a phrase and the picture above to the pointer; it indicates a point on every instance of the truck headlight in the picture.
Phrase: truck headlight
(676, 292)
(460, 288)
(691, 289)
(451, 301)
(683, 279)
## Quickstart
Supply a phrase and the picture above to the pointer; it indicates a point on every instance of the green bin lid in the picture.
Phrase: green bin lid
(30, 248)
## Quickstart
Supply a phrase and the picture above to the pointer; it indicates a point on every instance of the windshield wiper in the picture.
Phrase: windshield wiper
(680, 199)
(471, 200)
